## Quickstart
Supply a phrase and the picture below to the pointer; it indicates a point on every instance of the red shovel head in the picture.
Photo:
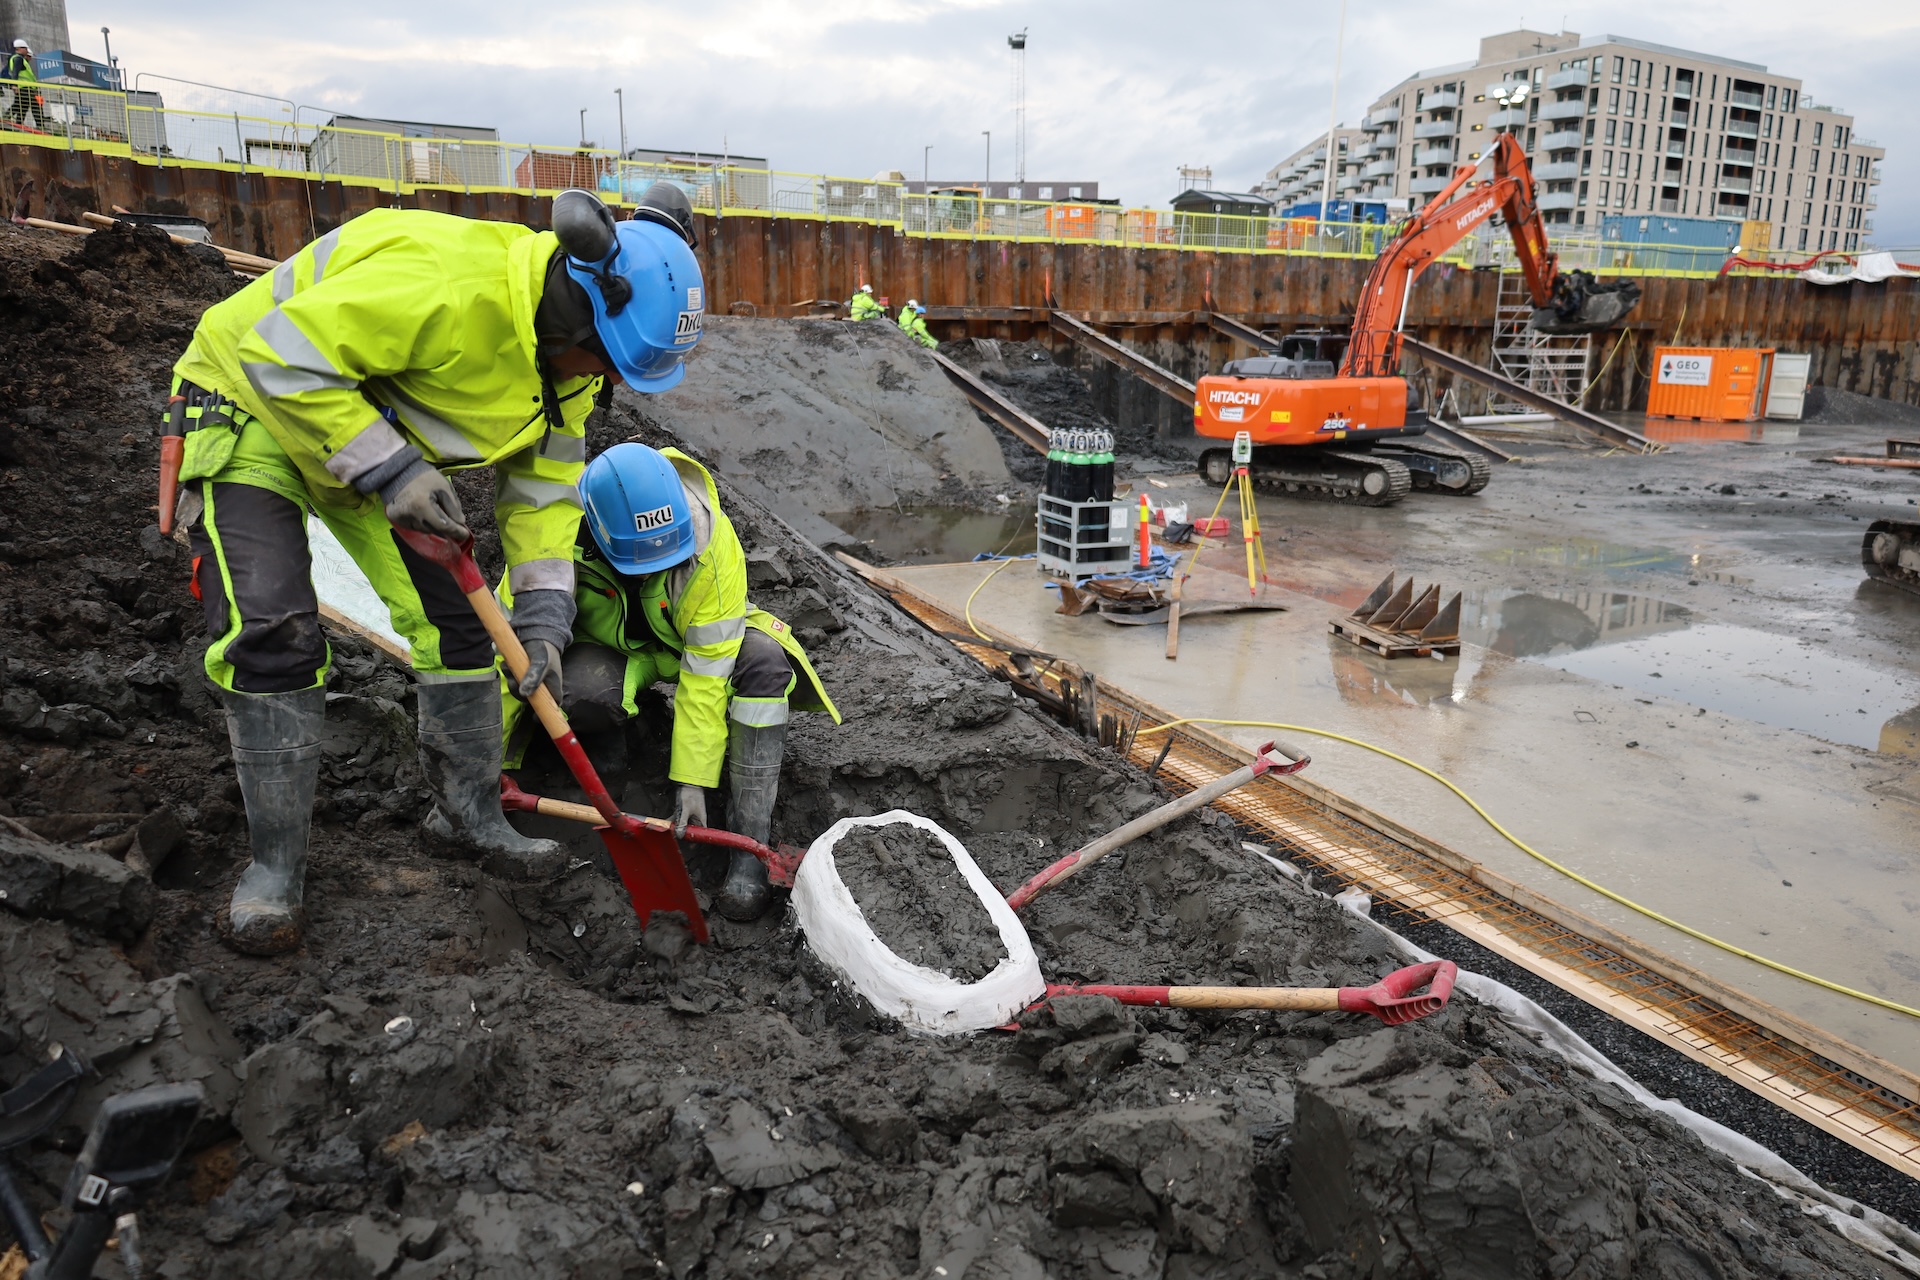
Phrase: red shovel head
(1393, 999)
(650, 865)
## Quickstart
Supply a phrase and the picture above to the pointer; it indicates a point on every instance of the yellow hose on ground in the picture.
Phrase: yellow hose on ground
(1564, 870)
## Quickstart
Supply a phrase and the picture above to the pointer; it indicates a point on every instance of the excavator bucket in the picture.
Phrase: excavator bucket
(1583, 304)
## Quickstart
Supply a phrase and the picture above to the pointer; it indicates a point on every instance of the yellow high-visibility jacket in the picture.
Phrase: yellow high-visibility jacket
(865, 306)
(431, 317)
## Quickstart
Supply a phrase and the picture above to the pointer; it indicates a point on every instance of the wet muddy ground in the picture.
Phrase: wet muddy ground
(462, 1077)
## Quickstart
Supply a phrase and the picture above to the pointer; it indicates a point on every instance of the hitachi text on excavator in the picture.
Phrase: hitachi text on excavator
(1330, 415)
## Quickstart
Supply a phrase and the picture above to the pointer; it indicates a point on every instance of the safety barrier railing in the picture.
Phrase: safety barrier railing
(136, 124)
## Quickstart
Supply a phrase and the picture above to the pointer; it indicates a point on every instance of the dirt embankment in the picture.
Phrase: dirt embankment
(458, 1077)
(812, 416)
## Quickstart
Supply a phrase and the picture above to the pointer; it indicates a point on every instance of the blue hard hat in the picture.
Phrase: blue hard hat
(648, 298)
(637, 510)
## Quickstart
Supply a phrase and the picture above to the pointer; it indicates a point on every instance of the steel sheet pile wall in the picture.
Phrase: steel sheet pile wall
(1861, 336)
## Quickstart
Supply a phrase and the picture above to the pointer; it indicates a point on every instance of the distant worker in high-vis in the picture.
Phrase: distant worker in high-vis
(865, 306)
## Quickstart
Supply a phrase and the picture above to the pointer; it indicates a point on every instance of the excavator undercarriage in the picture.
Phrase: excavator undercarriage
(1891, 553)
(1367, 477)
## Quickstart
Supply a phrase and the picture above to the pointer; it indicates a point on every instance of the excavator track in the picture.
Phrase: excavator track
(1891, 553)
(1438, 469)
(1329, 475)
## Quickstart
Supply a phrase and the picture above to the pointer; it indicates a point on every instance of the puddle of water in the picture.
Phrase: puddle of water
(939, 535)
(1613, 557)
(1530, 624)
(1769, 679)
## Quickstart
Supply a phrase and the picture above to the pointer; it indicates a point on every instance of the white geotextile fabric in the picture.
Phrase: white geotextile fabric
(921, 998)
(1869, 1228)
(1870, 268)
(338, 582)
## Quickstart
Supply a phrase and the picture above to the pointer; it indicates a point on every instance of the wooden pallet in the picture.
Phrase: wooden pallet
(1389, 644)
(1396, 621)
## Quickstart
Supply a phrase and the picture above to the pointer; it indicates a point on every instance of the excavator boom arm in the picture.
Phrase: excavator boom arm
(1448, 219)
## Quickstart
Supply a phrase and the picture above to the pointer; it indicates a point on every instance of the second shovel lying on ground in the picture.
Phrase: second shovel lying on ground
(1395, 999)
(1080, 859)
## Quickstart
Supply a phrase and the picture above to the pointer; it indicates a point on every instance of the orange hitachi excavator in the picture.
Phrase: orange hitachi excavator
(1329, 414)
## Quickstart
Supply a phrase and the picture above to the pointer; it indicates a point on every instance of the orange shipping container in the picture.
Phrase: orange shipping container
(1710, 384)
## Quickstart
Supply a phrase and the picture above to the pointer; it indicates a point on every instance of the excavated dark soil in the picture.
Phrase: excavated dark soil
(916, 900)
(461, 1077)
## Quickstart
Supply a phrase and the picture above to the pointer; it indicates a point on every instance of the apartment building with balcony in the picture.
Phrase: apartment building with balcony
(1303, 175)
(1612, 124)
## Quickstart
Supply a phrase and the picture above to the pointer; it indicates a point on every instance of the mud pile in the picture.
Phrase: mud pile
(459, 1077)
(823, 415)
(917, 902)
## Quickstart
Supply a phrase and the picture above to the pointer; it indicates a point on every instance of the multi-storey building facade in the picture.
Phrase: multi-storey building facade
(1613, 125)
(1303, 175)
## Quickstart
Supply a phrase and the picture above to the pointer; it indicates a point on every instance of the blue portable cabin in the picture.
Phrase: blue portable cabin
(1662, 242)
(1342, 210)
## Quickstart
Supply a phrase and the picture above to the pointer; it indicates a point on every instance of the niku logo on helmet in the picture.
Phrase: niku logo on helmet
(687, 328)
(658, 518)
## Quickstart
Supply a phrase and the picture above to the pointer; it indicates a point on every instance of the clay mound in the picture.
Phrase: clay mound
(822, 415)
(916, 900)
(81, 315)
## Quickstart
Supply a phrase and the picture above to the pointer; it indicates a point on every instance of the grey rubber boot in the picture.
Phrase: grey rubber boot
(460, 756)
(753, 769)
(276, 756)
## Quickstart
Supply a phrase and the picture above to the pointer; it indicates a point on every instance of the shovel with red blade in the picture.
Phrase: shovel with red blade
(1417, 991)
(645, 853)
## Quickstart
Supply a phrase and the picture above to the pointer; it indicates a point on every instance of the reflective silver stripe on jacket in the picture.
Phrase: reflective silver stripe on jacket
(322, 250)
(715, 632)
(365, 451)
(441, 436)
(538, 494)
(758, 712)
(283, 283)
(541, 575)
(558, 447)
(303, 368)
(720, 668)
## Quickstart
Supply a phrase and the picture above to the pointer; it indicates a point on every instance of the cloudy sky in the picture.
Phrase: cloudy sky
(1119, 91)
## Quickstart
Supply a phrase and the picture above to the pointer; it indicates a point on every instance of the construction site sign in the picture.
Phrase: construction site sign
(1686, 371)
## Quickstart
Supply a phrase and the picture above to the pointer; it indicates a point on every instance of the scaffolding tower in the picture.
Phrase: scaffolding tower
(1555, 366)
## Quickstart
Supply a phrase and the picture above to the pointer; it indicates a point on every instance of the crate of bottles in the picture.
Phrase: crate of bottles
(1084, 539)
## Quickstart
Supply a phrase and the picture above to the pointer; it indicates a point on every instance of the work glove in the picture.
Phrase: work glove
(689, 810)
(543, 668)
(543, 622)
(420, 498)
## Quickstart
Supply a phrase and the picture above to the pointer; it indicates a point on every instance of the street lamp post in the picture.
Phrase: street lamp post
(926, 171)
(986, 187)
(620, 103)
(583, 127)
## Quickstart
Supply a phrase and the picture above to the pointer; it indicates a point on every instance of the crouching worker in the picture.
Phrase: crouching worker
(662, 595)
(345, 383)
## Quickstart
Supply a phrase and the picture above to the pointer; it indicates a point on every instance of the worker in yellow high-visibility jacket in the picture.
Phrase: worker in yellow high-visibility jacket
(346, 383)
(663, 596)
(865, 306)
